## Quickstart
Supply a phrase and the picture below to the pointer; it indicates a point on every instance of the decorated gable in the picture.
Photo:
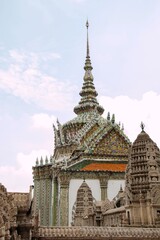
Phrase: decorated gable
(112, 144)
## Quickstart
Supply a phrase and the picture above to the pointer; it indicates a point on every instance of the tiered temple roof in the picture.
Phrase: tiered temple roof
(89, 136)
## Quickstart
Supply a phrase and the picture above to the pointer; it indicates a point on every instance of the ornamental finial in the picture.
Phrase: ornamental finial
(121, 189)
(142, 126)
(87, 25)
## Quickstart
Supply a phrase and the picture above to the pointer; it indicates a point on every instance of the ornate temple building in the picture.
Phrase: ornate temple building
(88, 146)
(139, 204)
(90, 152)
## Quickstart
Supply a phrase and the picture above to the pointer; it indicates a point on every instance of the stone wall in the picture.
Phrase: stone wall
(97, 233)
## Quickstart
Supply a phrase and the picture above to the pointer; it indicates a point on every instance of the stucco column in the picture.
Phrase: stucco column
(64, 200)
(103, 185)
(55, 202)
(149, 214)
(141, 197)
(149, 209)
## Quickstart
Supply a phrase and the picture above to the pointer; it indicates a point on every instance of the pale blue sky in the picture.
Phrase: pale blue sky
(42, 54)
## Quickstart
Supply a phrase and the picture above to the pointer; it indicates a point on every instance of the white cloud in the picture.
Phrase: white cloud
(19, 177)
(49, 56)
(43, 120)
(132, 111)
(24, 78)
(18, 57)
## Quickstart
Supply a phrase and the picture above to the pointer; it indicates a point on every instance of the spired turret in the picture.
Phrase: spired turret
(143, 182)
(88, 93)
(84, 207)
(145, 158)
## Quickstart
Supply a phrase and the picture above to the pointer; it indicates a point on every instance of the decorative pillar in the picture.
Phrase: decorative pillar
(103, 185)
(149, 209)
(42, 197)
(64, 199)
(36, 179)
(55, 202)
(48, 200)
(141, 212)
(42, 193)
(149, 214)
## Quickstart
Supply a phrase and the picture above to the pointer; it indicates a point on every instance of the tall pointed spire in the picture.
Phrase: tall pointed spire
(88, 61)
(87, 25)
(88, 93)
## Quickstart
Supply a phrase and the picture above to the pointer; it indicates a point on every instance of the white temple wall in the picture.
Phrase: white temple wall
(73, 188)
(114, 187)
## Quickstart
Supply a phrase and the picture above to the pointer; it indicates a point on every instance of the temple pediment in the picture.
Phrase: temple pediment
(111, 143)
(107, 143)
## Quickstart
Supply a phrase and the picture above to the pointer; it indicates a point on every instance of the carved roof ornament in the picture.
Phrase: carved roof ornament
(108, 116)
(121, 189)
(113, 119)
(142, 126)
(88, 102)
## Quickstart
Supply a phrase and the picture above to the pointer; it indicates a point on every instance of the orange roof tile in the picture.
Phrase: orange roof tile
(113, 167)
